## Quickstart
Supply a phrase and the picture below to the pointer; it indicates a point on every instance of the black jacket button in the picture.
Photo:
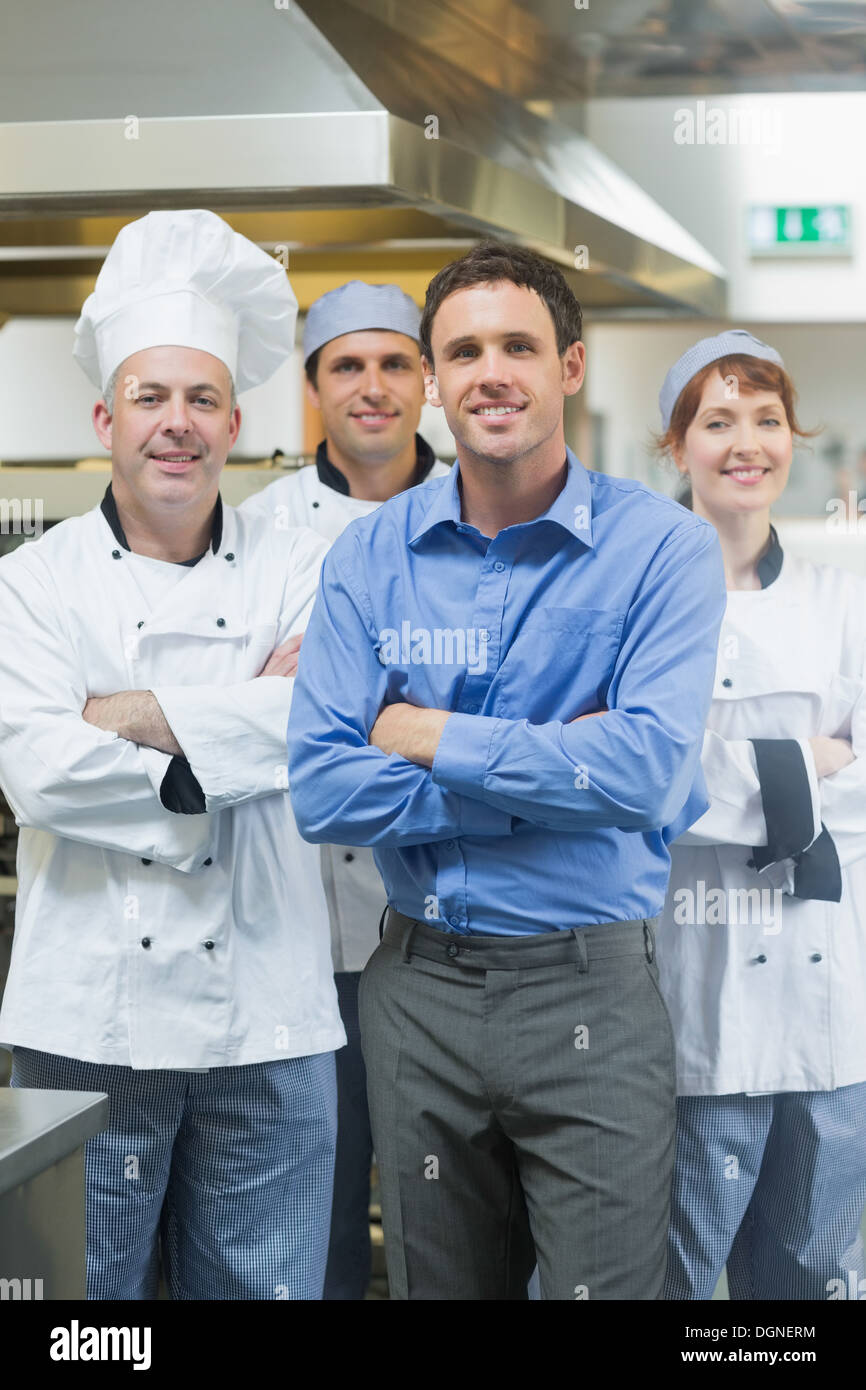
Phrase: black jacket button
(761, 959)
(750, 863)
(147, 861)
(208, 945)
(207, 863)
(115, 554)
(348, 858)
(727, 682)
(221, 622)
(230, 555)
(145, 941)
(315, 504)
(816, 956)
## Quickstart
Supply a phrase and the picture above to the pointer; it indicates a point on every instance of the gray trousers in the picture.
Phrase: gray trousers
(522, 1098)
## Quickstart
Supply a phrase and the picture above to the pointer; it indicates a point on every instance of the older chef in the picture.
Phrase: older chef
(171, 943)
(363, 363)
(762, 943)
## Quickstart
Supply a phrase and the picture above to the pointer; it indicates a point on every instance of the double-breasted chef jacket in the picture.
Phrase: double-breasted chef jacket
(769, 994)
(145, 936)
(318, 496)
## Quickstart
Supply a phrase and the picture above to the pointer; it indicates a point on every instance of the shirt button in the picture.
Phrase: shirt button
(221, 622)
(147, 861)
(455, 921)
(315, 504)
(207, 863)
(348, 858)
(231, 555)
(452, 949)
(727, 682)
(484, 635)
(816, 956)
(208, 945)
(145, 941)
(449, 844)
(471, 709)
(499, 567)
(141, 624)
(115, 554)
(761, 959)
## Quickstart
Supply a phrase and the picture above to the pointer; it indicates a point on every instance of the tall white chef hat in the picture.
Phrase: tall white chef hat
(186, 279)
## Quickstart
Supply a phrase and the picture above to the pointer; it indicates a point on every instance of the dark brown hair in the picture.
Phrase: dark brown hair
(492, 261)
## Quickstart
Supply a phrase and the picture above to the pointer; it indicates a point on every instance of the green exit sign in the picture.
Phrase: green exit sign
(803, 231)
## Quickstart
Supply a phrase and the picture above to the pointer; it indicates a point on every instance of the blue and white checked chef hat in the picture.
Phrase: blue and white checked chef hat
(727, 344)
(356, 306)
(186, 279)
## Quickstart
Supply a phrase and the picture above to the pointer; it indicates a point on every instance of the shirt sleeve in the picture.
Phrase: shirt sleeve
(634, 766)
(843, 796)
(343, 790)
(234, 736)
(59, 773)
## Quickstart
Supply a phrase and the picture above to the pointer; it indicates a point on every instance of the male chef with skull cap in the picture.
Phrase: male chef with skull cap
(171, 943)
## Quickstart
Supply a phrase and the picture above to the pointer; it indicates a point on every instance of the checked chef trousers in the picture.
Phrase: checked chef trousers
(773, 1185)
(522, 1101)
(232, 1166)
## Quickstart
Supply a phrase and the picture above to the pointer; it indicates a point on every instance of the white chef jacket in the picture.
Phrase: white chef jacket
(774, 999)
(353, 885)
(143, 937)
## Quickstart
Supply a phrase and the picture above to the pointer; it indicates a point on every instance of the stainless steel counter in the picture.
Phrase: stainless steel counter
(42, 1137)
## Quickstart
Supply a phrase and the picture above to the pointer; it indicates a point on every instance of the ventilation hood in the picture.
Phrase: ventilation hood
(351, 133)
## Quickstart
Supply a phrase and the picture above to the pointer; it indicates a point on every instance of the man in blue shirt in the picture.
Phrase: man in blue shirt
(519, 1056)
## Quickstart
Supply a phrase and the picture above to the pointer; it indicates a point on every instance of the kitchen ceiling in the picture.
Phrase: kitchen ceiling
(373, 135)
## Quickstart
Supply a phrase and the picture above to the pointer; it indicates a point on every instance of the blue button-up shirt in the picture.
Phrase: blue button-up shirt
(527, 822)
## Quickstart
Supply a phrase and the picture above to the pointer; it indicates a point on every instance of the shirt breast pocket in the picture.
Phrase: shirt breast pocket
(560, 664)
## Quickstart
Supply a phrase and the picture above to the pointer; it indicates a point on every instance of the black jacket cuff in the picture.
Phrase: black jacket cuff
(180, 790)
(786, 798)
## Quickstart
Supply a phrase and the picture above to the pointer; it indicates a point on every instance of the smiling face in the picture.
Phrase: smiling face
(498, 374)
(370, 391)
(737, 451)
(172, 427)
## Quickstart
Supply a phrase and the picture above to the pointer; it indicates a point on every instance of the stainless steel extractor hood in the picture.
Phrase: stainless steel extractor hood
(346, 130)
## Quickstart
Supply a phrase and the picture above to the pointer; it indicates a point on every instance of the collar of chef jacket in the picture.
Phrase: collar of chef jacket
(109, 511)
(330, 475)
(770, 564)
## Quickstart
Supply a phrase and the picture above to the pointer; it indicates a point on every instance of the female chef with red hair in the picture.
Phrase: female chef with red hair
(762, 942)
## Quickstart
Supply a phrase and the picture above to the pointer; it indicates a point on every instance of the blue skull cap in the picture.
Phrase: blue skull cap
(727, 344)
(356, 306)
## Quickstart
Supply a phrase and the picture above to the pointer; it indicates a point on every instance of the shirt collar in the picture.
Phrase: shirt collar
(109, 511)
(571, 508)
(770, 564)
(331, 476)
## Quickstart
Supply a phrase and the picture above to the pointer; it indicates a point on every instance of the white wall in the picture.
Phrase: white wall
(809, 151)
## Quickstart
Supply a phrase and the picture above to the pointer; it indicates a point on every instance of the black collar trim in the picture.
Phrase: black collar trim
(109, 511)
(330, 475)
(770, 564)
